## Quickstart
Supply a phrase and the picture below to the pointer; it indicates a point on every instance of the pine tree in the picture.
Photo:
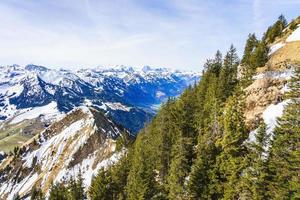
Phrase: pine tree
(231, 161)
(247, 68)
(201, 178)
(101, 187)
(186, 121)
(285, 150)
(36, 194)
(260, 55)
(214, 65)
(255, 177)
(76, 188)
(168, 126)
(120, 173)
(16, 197)
(275, 30)
(250, 46)
(216, 68)
(283, 21)
(142, 182)
(58, 192)
(196, 146)
(179, 169)
(228, 79)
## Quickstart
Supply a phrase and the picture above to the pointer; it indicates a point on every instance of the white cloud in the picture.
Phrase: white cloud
(171, 33)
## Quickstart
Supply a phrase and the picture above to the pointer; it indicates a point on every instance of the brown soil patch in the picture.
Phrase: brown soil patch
(285, 57)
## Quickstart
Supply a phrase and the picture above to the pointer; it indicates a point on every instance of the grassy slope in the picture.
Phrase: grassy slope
(15, 134)
(8, 143)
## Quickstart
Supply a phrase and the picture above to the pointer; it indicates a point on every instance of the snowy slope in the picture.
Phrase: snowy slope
(81, 141)
(49, 111)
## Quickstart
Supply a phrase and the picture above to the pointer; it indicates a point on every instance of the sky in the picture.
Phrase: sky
(179, 34)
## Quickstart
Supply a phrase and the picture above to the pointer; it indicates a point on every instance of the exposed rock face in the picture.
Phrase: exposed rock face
(83, 141)
(265, 90)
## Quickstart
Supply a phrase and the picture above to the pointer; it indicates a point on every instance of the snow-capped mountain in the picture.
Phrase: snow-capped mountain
(129, 96)
(81, 142)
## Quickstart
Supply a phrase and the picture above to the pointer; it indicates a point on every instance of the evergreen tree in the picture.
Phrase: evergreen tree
(275, 30)
(284, 153)
(76, 188)
(201, 180)
(282, 20)
(167, 125)
(58, 192)
(250, 46)
(214, 65)
(36, 194)
(256, 175)
(142, 182)
(260, 55)
(247, 68)
(186, 120)
(196, 146)
(179, 169)
(217, 65)
(228, 79)
(120, 173)
(16, 197)
(231, 161)
(101, 187)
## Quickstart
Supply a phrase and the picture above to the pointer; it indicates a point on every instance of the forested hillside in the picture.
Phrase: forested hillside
(198, 146)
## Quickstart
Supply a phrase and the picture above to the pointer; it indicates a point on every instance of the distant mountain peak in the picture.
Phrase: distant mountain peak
(36, 68)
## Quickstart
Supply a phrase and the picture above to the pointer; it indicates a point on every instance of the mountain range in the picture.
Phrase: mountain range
(129, 96)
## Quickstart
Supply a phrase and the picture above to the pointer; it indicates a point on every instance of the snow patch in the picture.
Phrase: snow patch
(252, 136)
(275, 47)
(271, 114)
(117, 106)
(160, 94)
(295, 36)
(48, 112)
(15, 90)
(87, 170)
(24, 186)
(275, 74)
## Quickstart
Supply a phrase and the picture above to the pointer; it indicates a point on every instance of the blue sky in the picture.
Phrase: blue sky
(179, 34)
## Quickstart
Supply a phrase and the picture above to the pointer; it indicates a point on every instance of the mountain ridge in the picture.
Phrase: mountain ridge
(81, 142)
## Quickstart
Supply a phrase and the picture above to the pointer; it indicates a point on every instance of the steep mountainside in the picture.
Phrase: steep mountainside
(81, 142)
